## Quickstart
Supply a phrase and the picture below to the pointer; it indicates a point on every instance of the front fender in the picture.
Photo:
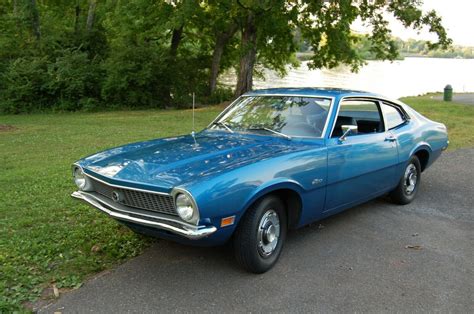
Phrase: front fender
(271, 186)
(224, 207)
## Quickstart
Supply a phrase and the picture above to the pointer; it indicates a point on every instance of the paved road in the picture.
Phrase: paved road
(463, 98)
(354, 261)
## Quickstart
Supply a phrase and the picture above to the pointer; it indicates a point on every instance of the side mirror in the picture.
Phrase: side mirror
(346, 130)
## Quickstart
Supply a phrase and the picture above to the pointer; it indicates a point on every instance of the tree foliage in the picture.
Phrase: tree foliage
(95, 54)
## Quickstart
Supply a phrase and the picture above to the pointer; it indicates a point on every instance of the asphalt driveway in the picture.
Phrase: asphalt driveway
(359, 260)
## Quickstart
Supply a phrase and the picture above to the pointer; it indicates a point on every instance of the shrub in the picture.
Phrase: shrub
(74, 81)
(132, 77)
(71, 82)
(220, 95)
(25, 86)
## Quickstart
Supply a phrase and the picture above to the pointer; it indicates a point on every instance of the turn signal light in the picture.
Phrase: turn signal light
(227, 221)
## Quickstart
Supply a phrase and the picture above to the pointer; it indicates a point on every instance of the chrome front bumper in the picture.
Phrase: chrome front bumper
(144, 218)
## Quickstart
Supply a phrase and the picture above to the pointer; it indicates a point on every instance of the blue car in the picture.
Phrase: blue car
(274, 160)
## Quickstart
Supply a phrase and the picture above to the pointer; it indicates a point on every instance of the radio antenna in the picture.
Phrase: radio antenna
(193, 133)
(193, 110)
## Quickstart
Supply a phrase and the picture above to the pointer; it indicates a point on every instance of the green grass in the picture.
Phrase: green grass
(458, 118)
(47, 238)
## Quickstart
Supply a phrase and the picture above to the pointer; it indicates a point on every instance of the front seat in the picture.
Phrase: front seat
(341, 120)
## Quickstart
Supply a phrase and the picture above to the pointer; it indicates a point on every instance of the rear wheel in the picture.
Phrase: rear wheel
(407, 187)
(259, 238)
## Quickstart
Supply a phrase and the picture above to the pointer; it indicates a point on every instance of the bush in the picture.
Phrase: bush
(220, 95)
(132, 77)
(25, 86)
(187, 78)
(74, 81)
(71, 82)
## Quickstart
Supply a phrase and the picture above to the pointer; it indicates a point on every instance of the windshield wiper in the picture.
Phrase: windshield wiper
(271, 131)
(223, 124)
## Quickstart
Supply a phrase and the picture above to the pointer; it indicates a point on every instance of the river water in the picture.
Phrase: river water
(408, 77)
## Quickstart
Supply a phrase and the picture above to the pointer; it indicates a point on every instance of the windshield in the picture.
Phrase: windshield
(287, 116)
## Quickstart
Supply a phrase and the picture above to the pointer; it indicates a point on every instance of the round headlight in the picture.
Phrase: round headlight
(184, 207)
(80, 179)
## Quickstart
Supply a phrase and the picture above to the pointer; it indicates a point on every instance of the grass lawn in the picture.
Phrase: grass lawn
(46, 238)
(457, 117)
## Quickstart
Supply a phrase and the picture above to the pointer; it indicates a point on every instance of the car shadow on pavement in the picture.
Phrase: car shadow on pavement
(221, 257)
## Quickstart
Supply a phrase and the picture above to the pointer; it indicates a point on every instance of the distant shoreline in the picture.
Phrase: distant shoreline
(306, 56)
(435, 57)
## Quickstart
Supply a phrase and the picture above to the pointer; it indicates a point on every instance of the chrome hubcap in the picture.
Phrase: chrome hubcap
(410, 179)
(268, 233)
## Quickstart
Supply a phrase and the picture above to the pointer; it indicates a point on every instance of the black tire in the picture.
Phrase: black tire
(404, 193)
(251, 247)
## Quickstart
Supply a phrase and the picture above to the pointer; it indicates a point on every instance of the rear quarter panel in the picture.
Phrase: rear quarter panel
(420, 133)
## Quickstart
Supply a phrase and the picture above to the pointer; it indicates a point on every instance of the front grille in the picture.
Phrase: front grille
(143, 200)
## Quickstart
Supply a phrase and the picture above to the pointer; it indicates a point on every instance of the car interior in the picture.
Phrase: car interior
(306, 119)
(365, 115)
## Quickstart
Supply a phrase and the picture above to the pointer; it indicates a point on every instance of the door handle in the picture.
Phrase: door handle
(391, 138)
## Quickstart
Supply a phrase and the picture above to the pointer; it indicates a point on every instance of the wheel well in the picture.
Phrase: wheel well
(292, 201)
(293, 205)
(423, 156)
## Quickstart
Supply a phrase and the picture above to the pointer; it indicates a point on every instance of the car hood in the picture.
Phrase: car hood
(170, 162)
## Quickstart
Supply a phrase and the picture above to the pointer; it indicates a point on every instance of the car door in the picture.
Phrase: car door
(363, 165)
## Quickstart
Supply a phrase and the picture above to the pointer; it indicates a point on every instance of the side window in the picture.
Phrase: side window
(393, 116)
(364, 114)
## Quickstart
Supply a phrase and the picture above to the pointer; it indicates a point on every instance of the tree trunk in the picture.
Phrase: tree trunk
(76, 18)
(91, 15)
(35, 20)
(248, 57)
(175, 40)
(222, 39)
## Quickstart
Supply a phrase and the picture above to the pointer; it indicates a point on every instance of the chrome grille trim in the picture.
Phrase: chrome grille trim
(148, 219)
(160, 203)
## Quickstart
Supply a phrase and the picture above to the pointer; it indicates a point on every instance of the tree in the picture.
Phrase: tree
(267, 29)
(222, 39)
(326, 26)
(35, 20)
(248, 55)
(146, 53)
(77, 14)
(91, 15)
(223, 29)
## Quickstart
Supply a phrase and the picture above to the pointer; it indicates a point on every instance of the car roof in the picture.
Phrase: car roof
(311, 91)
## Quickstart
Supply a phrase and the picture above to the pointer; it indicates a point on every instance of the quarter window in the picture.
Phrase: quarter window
(393, 116)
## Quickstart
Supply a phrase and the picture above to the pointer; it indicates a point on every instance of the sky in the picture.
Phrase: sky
(458, 19)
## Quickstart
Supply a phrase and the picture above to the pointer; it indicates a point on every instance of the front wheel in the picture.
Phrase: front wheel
(407, 188)
(259, 238)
